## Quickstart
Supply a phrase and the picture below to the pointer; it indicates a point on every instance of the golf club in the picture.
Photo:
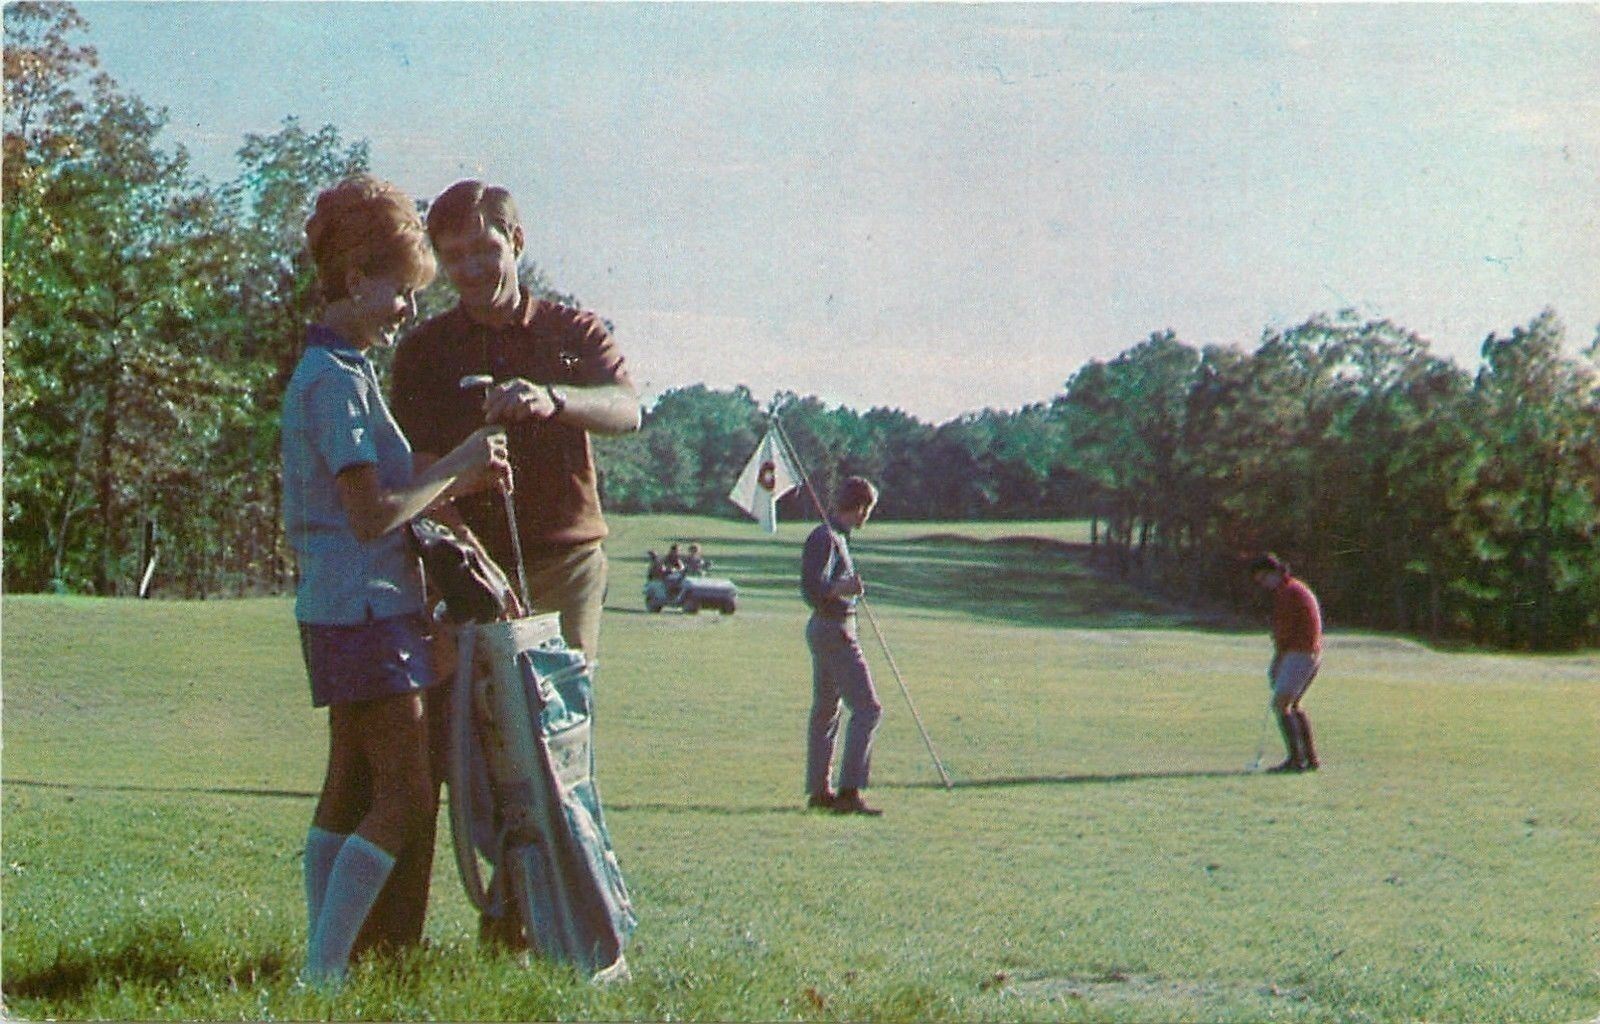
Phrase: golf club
(1261, 741)
(483, 380)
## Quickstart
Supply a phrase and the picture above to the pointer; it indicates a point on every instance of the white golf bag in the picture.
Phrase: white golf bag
(523, 794)
(522, 789)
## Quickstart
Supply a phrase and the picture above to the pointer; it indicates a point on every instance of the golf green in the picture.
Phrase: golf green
(1103, 855)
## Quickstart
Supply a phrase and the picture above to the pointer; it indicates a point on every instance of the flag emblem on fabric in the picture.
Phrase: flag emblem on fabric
(768, 476)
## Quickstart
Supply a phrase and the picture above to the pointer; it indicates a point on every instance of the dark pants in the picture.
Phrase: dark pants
(839, 673)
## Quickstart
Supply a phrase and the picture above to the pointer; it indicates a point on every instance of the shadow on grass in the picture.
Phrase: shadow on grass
(1019, 580)
(721, 809)
(69, 787)
(1071, 780)
(281, 794)
(157, 953)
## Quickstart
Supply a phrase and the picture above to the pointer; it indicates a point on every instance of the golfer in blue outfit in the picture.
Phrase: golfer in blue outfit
(348, 489)
(839, 672)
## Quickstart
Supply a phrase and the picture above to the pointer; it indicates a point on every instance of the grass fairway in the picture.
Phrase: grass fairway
(1103, 857)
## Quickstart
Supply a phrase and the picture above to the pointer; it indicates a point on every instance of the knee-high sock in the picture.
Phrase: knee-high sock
(353, 885)
(1291, 735)
(322, 847)
(1308, 749)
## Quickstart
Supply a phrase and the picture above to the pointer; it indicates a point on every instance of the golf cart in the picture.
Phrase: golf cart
(677, 588)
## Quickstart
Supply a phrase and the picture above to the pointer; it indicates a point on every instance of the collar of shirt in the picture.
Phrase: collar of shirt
(527, 305)
(324, 336)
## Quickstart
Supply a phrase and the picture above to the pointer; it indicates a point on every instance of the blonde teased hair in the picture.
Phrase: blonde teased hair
(368, 225)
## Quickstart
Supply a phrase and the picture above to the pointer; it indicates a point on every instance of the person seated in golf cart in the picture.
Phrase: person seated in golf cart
(695, 564)
(673, 569)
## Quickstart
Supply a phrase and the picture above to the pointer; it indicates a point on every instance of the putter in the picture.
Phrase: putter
(483, 380)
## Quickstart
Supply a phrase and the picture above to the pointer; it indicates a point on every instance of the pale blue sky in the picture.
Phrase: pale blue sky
(946, 207)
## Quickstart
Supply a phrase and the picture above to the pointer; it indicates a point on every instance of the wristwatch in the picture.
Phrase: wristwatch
(557, 399)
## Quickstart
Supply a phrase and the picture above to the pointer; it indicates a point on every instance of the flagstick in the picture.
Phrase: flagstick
(805, 478)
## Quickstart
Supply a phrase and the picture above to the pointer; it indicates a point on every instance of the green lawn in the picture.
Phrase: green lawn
(1103, 857)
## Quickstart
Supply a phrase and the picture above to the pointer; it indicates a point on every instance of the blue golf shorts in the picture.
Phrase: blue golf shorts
(349, 664)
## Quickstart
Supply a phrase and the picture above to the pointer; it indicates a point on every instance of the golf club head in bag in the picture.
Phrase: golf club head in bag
(523, 794)
(472, 585)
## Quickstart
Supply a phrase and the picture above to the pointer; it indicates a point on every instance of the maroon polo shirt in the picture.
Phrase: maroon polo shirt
(557, 499)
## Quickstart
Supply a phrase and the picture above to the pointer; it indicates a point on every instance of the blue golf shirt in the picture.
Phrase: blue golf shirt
(334, 417)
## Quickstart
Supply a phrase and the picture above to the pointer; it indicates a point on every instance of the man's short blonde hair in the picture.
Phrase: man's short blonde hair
(367, 225)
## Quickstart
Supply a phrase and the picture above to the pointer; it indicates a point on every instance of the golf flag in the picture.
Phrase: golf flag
(768, 476)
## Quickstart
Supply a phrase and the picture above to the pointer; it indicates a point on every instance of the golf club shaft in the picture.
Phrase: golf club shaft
(944, 776)
(1261, 739)
(516, 550)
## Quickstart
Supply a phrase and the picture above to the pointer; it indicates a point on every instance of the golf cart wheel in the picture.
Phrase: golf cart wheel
(728, 606)
(691, 606)
(652, 606)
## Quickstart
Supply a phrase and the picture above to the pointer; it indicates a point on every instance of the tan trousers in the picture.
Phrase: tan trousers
(573, 583)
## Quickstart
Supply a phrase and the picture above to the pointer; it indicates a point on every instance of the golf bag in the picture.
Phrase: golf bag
(522, 788)
(522, 792)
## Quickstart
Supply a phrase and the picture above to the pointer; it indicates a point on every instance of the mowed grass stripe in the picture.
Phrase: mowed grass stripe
(1102, 857)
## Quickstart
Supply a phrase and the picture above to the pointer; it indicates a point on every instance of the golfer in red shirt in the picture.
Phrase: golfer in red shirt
(1296, 657)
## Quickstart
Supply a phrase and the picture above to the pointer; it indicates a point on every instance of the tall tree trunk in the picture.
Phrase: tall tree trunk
(105, 485)
(69, 508)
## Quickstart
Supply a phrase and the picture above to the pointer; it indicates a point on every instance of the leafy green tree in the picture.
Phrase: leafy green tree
(45, 449)
(281, 174)
(1128, 420)
(1537, 498)
(893, 455)
(718, 430)
(42, 64)
(822, 440)
(100, 224)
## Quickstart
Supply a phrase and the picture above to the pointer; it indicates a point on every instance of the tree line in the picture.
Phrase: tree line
(1415, 495)
(152, 318)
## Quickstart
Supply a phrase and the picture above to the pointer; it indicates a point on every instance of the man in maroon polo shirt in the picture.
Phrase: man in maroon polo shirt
(1296, 657)
(558, 377)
